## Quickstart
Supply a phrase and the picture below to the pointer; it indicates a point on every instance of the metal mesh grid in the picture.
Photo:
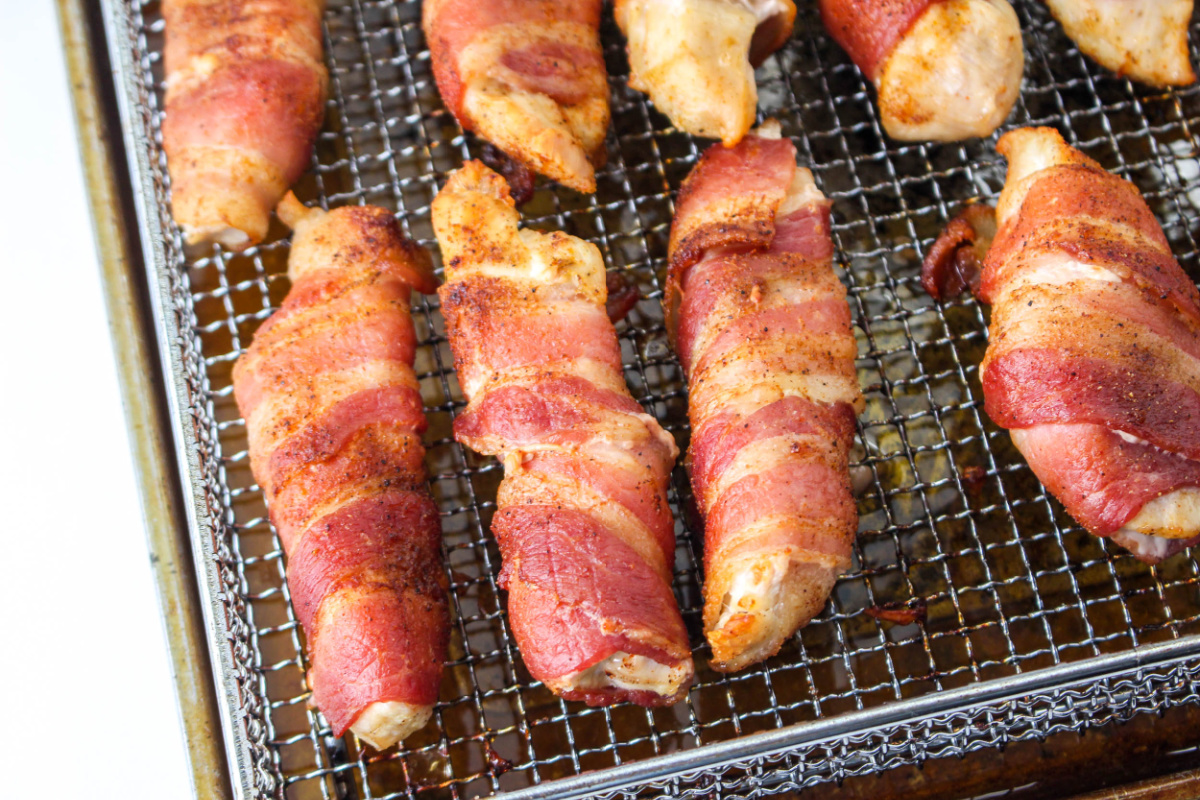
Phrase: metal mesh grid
(949, 512)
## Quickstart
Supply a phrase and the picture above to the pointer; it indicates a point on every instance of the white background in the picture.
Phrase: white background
(89, 703)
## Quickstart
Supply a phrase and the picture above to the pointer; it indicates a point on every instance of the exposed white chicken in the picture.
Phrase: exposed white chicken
(695, 58)
(945, 69)
(1145, 40)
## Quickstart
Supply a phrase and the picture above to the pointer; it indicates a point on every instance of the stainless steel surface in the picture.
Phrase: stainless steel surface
(1033, 626)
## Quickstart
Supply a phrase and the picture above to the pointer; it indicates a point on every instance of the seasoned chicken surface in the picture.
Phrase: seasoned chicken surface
(696, 58)
(956, 75)
(945, 69)
(763, 331)
(583, 523)
(1145, 40)
(528, 76)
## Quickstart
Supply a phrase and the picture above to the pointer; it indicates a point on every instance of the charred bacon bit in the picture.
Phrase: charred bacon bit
(498, 763)
(622, 296)
(520, 177)
(972, 478)
(940, 275)
(955, 262)
(900, 613)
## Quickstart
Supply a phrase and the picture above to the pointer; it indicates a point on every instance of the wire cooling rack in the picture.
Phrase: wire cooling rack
(1032, 625)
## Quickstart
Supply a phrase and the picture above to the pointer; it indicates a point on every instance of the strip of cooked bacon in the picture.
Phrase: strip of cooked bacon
(1146, 41)
(696, 58)
(945, 69)
(334, 419)
(245, 98)
(528, 76)
(583, 523)
(955, 261)
(763, 330)
(1093, 360)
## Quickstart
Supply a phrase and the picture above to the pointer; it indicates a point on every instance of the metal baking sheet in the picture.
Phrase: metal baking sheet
(1033, 626)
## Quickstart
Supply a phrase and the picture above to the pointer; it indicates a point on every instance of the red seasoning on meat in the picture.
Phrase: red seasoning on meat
(583, 523)
(334, 419)
(1093, 361)
(945, 69)
(527, 76)
(245, 98)
(763, 331)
